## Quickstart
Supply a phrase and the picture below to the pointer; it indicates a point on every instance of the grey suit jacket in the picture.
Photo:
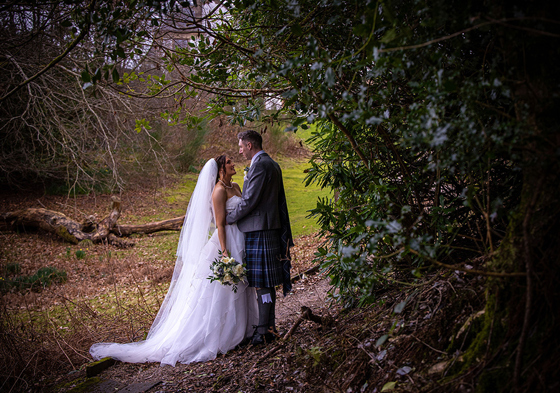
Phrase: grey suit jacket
(259, 209)
(263, 207)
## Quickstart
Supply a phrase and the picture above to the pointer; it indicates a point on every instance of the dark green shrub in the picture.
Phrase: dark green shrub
(45, 277)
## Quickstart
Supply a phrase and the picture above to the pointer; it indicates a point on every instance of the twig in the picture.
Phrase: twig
(307, 314)
(361, 346)
(308, 272)
(528, 293)
(58, 343)
(447, 281)
(57, 59)
(439, 301)
(21, 373)
(429, 346)
(472, 271)
(500, 21)
(295, 325)
(267, 354)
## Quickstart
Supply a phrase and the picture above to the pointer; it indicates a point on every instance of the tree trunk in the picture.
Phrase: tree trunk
(516, 347)
(46, 220)
(74, 232)
(173, 224)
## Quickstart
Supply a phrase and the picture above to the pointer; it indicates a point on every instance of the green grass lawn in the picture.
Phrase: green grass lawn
(300, 198)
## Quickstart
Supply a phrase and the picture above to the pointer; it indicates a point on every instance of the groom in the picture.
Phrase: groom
(263, 217)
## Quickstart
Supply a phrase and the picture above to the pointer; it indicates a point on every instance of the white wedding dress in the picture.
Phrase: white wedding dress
(198, 318)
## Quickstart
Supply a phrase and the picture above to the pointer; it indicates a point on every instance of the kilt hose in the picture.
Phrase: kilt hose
(262, 256)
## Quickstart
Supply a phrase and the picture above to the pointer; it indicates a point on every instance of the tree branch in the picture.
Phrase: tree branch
(447, 37)
(471, 271)
(56, 60)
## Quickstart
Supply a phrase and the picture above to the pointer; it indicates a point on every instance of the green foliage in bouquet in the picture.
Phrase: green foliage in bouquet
(228, 271)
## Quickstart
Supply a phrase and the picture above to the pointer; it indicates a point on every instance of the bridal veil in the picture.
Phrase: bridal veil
(197, 319)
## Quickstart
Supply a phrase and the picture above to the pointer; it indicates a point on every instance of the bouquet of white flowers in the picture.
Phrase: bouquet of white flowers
(228, 271)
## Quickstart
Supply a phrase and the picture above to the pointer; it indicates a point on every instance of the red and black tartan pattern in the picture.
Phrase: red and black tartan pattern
(262, 256)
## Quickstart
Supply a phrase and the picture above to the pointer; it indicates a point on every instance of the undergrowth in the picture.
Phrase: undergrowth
(44, 277)
(42, 338)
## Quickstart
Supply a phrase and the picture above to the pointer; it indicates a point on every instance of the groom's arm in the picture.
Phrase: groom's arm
(251, 194)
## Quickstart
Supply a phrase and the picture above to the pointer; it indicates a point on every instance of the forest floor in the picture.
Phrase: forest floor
(246, 369)
(340, 356)
(410, 340)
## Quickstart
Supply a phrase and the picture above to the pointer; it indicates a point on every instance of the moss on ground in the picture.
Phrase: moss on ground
(78, 385)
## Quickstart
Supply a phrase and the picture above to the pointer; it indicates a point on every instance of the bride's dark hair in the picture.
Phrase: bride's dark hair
(221, 161)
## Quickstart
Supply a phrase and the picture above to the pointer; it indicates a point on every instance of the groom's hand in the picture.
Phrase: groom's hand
(228, 219)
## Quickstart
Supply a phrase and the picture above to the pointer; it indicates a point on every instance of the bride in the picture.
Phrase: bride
(198, 318)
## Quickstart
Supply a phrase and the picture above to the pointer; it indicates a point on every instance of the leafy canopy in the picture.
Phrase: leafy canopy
(422, 128)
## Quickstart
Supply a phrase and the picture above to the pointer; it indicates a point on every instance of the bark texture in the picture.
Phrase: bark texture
(106, 230)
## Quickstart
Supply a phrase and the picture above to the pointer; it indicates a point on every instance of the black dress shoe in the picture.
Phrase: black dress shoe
(258, 339)
(269, 337)
(246, 341)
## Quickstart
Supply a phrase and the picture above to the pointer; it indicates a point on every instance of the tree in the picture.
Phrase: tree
(57, 127)
(436, 125)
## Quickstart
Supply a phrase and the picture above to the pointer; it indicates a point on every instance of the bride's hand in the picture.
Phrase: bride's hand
(225, 253)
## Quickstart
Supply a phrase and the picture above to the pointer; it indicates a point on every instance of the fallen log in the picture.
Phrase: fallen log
(46, 220)
(173, 224)
(61, 225)
(72, 231)
(107, 224)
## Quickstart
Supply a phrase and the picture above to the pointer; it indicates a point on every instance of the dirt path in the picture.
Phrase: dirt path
(310, 291)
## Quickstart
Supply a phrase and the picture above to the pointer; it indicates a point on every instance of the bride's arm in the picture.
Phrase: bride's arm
(219, 198)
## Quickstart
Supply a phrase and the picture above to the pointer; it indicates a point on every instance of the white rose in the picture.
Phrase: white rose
(238, 270)
(227, 278)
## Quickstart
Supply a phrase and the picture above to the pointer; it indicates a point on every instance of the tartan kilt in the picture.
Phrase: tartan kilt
(262, 256)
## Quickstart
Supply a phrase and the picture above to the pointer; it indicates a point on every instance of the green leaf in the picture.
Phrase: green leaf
(381, 340)
(299, 121)
(97, 76)
(296, 29)
(120, 52)
(388, 386)
(115, 75)
(389, 36)
(86, 77)
(361, 30)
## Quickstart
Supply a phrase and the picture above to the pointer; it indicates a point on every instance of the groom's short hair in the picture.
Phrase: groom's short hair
(251, 136)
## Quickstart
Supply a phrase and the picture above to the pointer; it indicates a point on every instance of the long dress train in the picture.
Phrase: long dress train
(198, 318)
